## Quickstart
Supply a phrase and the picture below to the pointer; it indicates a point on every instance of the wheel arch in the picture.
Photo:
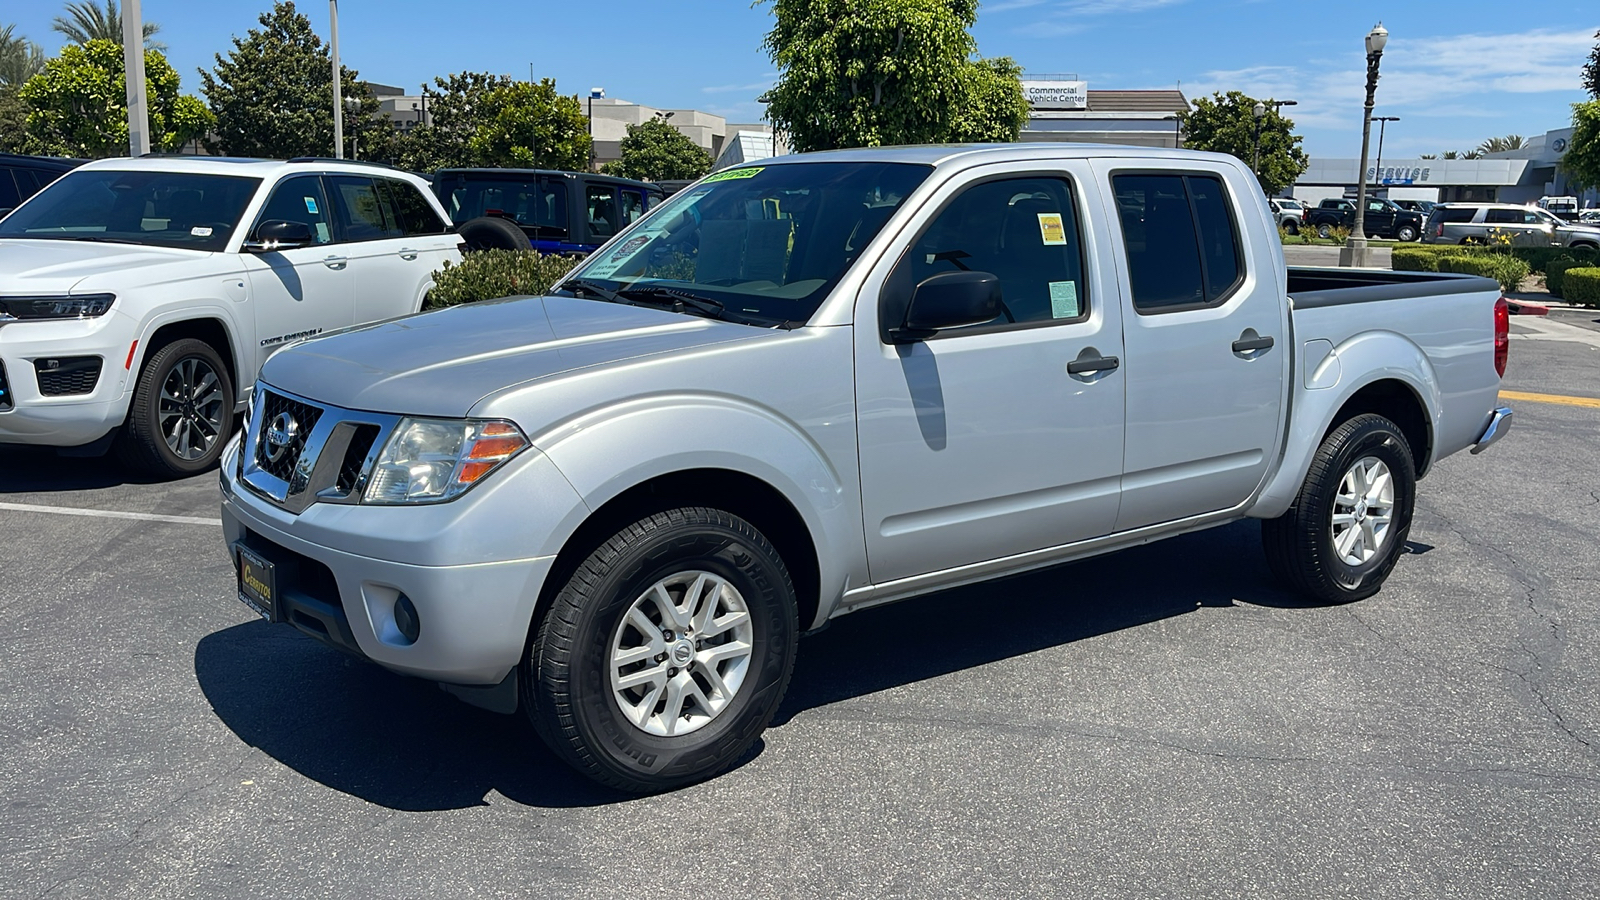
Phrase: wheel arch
(744, 495)
(213, 330)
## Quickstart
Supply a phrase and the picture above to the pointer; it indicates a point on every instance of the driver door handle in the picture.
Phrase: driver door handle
(1247, 345)
(335, 262)
(1085, 365)
(407, 253)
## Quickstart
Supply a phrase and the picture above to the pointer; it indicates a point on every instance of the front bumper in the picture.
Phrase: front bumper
(473, 617)
(28, 415)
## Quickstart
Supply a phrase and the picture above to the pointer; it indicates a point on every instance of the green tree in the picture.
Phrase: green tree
(877, 72)
(273, 95)
(479, 119)
(85, 22)
(20, 58)
(1591, 70)
(13, 120)
(655, 151)
(1226, 123)
(79, 105)
(1582, 160)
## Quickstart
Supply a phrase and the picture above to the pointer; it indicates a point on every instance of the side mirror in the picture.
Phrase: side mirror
(279, 234)
(949, 300)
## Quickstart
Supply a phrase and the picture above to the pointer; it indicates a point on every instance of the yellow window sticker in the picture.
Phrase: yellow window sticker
(1064, 298)
(1051, 229)
(734, 174)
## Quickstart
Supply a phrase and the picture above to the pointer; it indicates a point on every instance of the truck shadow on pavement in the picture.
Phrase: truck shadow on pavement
(42, 470)
(405, 745)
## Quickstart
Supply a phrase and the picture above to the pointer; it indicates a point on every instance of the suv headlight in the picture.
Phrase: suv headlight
(429, 460)
(81, 306)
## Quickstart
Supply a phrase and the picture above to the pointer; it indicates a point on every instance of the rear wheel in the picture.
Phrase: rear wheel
(182, 411)
(667, 652)
(1406, 234)
(1348, 526)
(1291, 226)
(1324, 230)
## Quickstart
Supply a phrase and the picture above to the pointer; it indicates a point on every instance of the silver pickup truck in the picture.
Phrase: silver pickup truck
(831, 381)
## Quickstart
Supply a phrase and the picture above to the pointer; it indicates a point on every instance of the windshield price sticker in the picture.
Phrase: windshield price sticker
(1051, 229)
(201, 231)
(613, 260)
(735, 174)
(311, 205)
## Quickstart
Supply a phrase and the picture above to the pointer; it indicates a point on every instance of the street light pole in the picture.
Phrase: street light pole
(338, 89)
(1377, 167)
(1260, 112)
(133, 69)
(1354, 252)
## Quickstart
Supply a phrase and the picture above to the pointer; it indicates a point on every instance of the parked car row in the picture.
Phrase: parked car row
(1483, 223)
(23, 176)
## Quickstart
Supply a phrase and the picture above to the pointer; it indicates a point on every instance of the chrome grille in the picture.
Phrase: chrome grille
(303, 415)
(355, 458)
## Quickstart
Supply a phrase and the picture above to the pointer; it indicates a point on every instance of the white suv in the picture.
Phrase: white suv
(189, 273)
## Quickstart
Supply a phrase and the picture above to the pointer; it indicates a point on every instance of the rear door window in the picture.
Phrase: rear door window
(603, 211)
(364, 213)
(415, 212)
(1503, 217)
(1182, 241)
(632, 206)
(1456, 214)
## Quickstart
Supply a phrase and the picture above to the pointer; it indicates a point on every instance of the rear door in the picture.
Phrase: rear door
(1206, 340)
(985, 442)
(429, 240)
(382, 262)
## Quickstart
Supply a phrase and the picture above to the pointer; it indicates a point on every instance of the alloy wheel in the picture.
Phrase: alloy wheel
(1363, 510)
(190, 409)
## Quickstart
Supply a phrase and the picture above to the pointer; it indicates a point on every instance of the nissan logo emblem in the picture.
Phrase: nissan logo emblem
(281, 432)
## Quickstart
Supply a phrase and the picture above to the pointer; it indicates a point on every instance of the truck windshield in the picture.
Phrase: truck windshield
(159, 209)
(764, 242)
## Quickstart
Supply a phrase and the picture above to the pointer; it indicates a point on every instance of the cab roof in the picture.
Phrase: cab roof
(977, 154)
(232, 165)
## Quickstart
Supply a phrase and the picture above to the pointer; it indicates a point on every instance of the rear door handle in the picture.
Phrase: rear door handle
(1250, 344)
(335, 262)
(407, 253)
(1084, 365)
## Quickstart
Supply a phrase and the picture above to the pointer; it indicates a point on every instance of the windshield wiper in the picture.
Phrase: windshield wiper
(585, 286)
(681, 301)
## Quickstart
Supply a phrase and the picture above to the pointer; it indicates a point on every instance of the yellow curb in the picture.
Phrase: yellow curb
(1590, 402)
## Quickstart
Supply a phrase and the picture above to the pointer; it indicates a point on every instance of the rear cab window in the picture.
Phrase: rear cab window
(1182, 242)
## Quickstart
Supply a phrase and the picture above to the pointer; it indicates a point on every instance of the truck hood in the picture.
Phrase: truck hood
(443, 363)
(30, 266)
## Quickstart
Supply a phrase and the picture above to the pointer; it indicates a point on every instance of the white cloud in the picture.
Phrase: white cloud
(765, 82)
(1063, 17)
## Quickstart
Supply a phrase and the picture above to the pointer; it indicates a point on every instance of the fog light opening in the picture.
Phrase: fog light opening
(406, 619)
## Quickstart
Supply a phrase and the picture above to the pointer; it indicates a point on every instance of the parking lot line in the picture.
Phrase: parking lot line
(1551, 398)
(110, 514)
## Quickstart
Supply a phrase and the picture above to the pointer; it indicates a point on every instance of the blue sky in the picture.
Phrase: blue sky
(1455, 72)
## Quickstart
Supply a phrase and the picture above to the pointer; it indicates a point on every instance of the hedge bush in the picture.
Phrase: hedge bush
(1537, 258)
(1413, 259)
(491, 274)
(1582, 286)
(1502, 267)
(1555, 269)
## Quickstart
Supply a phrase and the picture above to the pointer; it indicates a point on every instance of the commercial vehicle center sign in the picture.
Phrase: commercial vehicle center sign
(1056, 94)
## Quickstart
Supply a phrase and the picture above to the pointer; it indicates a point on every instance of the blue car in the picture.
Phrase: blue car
(546, 210)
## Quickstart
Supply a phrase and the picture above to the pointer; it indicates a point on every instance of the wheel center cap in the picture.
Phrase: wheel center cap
(682, 653)
(1361, 510)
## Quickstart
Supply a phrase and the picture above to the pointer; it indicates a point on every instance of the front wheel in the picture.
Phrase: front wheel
(1292, 227)
(1406, 234)
(1348, 526)
(182, 411)
(667, 652)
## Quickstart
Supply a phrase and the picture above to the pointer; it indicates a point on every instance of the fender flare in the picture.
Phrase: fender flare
(176, 314)
(1378, 356)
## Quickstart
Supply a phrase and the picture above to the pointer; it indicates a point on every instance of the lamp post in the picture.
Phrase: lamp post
(1260, 113)
(133, 67)
(597, 93)
(1377, 167)
(423, 119)
(1354, 252)
(1177, 130)
(338, 88)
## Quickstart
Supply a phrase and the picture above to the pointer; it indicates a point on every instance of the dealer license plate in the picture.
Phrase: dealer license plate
(256, 587)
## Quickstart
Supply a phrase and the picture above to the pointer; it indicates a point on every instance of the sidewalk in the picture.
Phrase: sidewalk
(1324, 255)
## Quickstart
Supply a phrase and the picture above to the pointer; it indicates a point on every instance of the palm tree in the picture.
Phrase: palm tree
(1472, 154)
(20, 58)
(1451, 154)
(1429, 156)
(1501, 144)
(85, 22)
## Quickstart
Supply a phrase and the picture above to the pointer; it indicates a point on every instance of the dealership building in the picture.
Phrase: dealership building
(1062, 108)
(1514, 176)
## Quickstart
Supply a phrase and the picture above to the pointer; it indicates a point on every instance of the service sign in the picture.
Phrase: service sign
(1056, 94)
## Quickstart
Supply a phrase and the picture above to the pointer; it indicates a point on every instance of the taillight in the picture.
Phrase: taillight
(1438, 230)
(1502, 335)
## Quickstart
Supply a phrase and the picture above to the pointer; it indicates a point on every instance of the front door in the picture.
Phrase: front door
(1006, 437)
(303, 291)
(1207, 343)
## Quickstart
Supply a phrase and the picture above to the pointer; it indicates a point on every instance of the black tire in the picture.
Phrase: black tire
(1292, 227)
(566, 677)
(143, 445)
(1324, 230)
(493, 233)
(1300, 544)
(1406, 234)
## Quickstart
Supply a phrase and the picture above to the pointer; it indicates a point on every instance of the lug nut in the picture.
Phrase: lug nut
(666, 635)
(672, 673)
(661, 657)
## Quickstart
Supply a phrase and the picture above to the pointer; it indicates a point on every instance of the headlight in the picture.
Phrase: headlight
(428, 460)
(82, 306)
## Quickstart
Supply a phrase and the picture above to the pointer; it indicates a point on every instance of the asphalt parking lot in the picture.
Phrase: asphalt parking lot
(1161, 723)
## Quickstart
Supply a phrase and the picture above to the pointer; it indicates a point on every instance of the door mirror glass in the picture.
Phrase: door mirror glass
(280, 234)
(949, 300)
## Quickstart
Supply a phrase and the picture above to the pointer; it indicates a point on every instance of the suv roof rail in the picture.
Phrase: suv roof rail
(350, 162)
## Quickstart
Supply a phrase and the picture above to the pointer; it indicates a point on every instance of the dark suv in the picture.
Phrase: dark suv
(1383, 219)
(23, 176)
(541, 209)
